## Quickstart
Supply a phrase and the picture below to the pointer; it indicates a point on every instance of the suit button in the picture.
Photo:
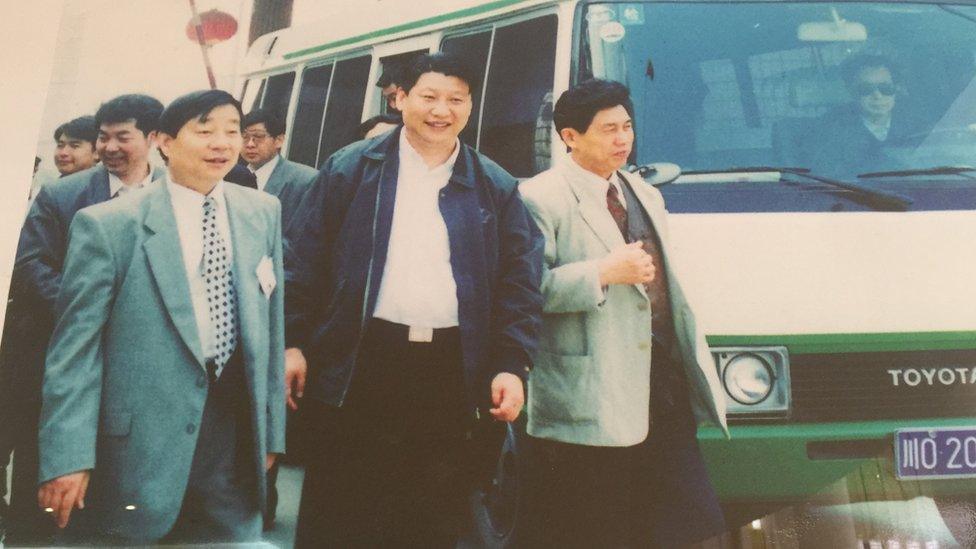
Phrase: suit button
(642, 346)
(190, 428)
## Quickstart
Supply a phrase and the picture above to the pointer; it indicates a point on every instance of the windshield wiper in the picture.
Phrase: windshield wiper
(939, 170)
(877, 199)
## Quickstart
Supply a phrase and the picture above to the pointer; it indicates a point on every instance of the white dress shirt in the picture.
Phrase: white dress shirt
(117, 187)
(188, 210)
(263, 174)
(418, 287)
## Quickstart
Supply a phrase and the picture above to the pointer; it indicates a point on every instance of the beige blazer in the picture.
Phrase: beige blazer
(591, 378)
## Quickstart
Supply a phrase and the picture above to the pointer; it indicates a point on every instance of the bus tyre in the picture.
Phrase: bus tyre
(495, 503)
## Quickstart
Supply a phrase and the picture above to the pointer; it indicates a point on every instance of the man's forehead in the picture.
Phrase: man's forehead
(118, 127)
(65, 138)
(257, 127)
(429, 79)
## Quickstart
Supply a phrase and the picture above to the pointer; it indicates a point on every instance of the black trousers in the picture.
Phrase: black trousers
(653, 494)
(393, 466)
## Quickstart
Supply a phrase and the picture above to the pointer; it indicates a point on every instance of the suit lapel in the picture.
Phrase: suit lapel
(594, 213)
(98, 190)
(165, 257)
(250, 246)
(277, 179)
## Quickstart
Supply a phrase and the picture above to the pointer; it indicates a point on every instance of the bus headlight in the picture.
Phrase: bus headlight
(756, 379)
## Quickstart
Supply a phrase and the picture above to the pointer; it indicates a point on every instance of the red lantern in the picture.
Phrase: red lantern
(215, 25)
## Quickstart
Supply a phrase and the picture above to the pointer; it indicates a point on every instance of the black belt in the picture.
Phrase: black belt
(401, 332)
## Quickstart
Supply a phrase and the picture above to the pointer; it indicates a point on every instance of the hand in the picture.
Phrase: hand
(508, 396)
(269, 461)
(295, 370)
(628, 264)
(63, 494)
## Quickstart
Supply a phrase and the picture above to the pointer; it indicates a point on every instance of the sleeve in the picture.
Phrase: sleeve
(308, 248)
(276, 364)
(40, 253)
(571, 287)
(73, 371)
(518, 309)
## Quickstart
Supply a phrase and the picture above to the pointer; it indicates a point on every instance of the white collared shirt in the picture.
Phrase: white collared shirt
(418, 287)
(116, 186)
(188, 210)
(879, 131)
(599, 185)
(263, 174)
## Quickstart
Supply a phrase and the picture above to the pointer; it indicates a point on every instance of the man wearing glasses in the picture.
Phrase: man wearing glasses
(853, 139)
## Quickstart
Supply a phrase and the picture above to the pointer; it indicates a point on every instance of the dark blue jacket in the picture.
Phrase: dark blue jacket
(336, 251)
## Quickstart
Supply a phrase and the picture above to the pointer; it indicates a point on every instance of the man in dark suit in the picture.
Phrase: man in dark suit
(413, 289)
(126, 136)
(164, 380)
(264, 135)
(75, 149)
(853, 139)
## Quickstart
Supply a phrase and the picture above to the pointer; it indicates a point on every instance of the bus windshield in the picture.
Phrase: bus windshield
(881, 94)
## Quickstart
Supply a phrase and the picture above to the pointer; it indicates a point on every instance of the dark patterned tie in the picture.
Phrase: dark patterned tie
(221, 298)
(617, 210)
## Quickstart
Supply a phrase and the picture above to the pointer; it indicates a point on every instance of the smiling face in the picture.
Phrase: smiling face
(605, 145)
(204, 150)
(124, 150)
(73, 154)
(435, 111)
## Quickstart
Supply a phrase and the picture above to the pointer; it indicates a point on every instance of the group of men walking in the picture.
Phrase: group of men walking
(401, 300)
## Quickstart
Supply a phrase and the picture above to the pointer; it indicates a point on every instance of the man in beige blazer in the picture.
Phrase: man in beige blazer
(622, 374)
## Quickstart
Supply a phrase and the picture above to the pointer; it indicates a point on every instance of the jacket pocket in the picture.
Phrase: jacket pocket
(115, 424)
(561, 388)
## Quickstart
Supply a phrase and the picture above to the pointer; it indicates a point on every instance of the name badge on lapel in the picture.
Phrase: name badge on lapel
(266, 277)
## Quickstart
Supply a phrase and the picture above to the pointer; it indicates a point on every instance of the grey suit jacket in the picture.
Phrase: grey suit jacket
(125, 382)
(290, 181)
(591, 378)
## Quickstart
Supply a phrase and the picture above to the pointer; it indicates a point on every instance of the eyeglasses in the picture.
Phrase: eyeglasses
(865, 89)
(256, 137)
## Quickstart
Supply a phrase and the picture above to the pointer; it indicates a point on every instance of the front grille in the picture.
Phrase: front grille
(858, 386)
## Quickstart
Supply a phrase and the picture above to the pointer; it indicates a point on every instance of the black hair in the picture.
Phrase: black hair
(83, 128)
(577, 106)
(852, 67)
(391, 75)
(198, 105)
(144, 110)
(444, 63)
(274, 123)
(371, 123)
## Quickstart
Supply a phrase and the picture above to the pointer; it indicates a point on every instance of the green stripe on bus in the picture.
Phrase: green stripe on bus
(407, 26)
(853, 343)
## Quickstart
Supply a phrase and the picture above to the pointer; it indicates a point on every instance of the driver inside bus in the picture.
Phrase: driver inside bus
(852, 139)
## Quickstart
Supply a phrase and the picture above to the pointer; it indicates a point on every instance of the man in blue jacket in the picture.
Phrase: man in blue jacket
(412, 288)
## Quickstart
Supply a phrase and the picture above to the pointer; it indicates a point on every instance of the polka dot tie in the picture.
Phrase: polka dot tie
(221, 298)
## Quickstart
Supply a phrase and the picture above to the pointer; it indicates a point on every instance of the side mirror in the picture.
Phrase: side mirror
(658, 173)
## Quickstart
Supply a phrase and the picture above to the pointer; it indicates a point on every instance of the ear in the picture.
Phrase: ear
(162, 140)
(279, 141)
(401, 98)
(569, 136)
(153, 137)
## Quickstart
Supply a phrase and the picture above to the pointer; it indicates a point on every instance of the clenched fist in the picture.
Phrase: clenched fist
(628, 264)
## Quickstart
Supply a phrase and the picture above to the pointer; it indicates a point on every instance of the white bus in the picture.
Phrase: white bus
(824, 220)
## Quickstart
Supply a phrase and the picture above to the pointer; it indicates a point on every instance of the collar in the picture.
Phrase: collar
(410, 155)
(266, 169)
(594, 185)
(115, 184)
(185, 198)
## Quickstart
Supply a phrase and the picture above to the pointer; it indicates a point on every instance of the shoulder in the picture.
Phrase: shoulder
(491, 172)
(68, 188)
(299, 169)
(258, 200)
(548, 187)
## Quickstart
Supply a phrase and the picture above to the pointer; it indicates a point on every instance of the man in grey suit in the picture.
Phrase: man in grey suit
(621, 373)
(164, 381)
(264, 135)
(126, 135)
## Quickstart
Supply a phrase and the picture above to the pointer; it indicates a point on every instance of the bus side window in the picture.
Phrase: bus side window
(251, 94)
(306, 130)
(278, 93)
(345, 108)
(473, 51)
(520, 76)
